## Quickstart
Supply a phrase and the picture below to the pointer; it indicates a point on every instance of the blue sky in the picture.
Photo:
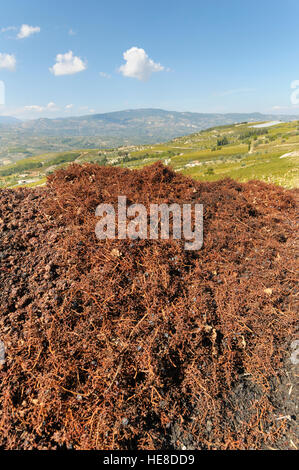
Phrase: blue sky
(62, 58)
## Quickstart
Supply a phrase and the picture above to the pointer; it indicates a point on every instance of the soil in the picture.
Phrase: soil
(141, 344)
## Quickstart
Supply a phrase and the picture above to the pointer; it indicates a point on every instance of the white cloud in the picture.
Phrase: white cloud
(27, 31)
(105, 75)
(51, 105)
(72, 32)
(7, 61)
(284, 108)
(39, 109)
(34, 107)
(69, 106)
(67, 64)
(138, 64)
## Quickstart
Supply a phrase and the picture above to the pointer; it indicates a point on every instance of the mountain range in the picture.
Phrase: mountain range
(4, 120)
(22, 139)
(139, 125)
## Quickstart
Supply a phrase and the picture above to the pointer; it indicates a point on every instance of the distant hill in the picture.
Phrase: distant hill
(22, 139)
(8, 120)
(139, 125)
(241, 151)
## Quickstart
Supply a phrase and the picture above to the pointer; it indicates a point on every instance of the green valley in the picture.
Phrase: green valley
(244, 151)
